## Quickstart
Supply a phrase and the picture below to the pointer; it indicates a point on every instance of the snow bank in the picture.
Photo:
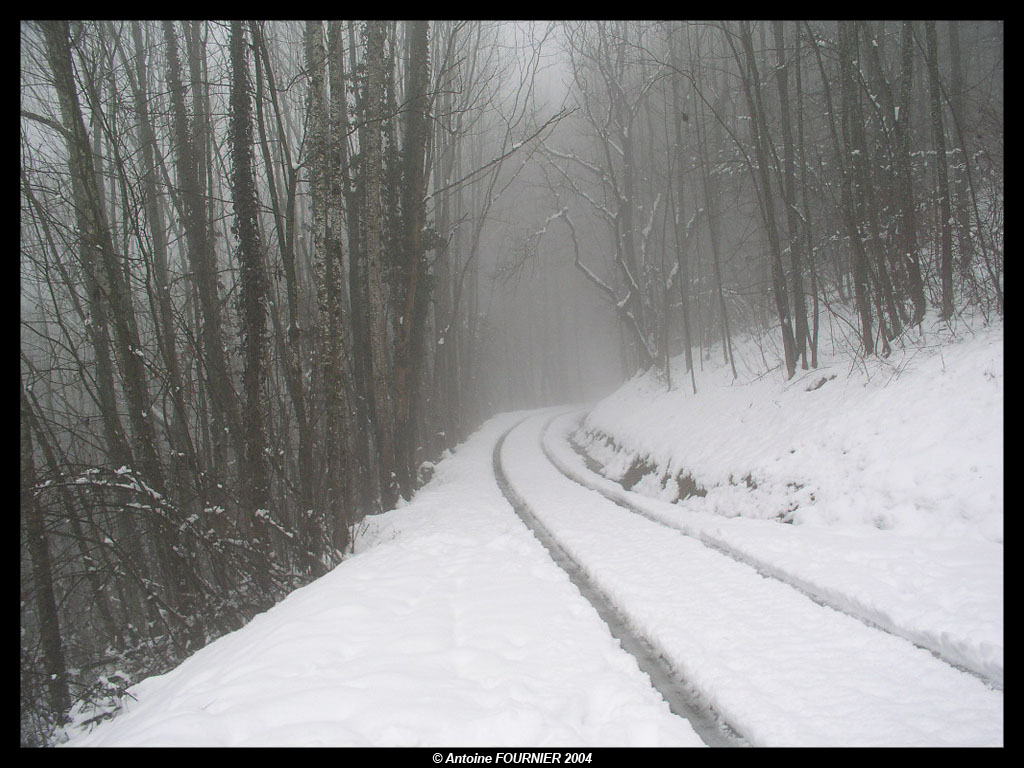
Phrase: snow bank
(913, 443)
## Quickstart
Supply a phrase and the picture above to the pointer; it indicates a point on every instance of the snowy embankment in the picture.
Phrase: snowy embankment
(450, 626)
(913, 443)
(891, 474)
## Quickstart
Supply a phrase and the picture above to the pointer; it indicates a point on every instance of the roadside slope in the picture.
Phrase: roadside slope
(912, 443)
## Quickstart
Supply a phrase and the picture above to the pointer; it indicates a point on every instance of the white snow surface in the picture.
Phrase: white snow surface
(891, 473)
(780, 668)
(912, 443)
(943, 594)
(450, 626)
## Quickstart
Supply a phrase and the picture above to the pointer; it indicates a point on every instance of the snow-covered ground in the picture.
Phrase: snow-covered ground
(780, 668)
(944, 594)
(451, 625)
(892, 475)
(912, 443)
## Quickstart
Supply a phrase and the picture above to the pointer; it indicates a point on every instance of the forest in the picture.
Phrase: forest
(271, 271)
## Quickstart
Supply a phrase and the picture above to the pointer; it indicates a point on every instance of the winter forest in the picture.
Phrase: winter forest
(271, 272)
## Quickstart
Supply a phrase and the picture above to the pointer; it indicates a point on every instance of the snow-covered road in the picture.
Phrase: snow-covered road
(452, 626)
(941, 593)
(778, 667)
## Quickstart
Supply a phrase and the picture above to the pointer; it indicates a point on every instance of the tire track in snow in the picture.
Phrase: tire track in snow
(683, 699)
(807, 589)
(784, 670)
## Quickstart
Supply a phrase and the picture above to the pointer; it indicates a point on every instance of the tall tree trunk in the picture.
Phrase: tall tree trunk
(413, 293)
(341, 403)
(711, 198)
(960, 182)
(851, 192)
(805, 192)
(359, 299)
(789, 197)
(253, 288)
(372, 167)
(330, 369)
(678, 215)
(941, 167)
(869, 190)
(907, 228)
(99, 254)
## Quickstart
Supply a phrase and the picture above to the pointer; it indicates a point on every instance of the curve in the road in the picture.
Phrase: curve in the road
(761, 568)
(683, 699)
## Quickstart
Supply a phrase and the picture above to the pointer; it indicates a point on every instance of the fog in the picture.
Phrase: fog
(271, 271)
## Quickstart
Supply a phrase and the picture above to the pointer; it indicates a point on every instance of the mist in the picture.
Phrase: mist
(272, 271)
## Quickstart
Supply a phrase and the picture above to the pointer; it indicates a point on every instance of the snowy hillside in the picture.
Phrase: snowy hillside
(912, 443)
